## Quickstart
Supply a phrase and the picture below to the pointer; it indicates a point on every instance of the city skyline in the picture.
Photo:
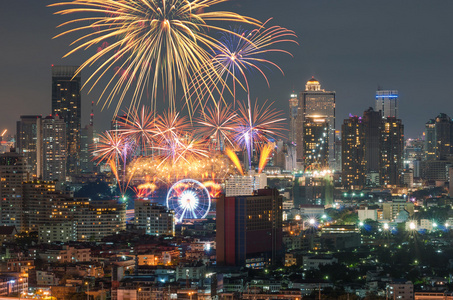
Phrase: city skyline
(415, 63)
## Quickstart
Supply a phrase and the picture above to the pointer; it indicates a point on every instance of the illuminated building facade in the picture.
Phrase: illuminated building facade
(391, 152)
(66, 102)
(155, 219)
(439, 138)
(53, 150)
(387, 103)
(293, 105)
(13, 172)
(353, 153)
(249, 229)
(28, 142)
(316, 101)
(316, 143)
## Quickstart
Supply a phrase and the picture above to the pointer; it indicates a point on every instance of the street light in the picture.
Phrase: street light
(88, 289)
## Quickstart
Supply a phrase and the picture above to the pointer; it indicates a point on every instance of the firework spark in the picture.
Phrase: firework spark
(234, 159)
(257, 125)
(265, 152)
(243, 52)
(218, 122)
(152, 41)
(138, 126)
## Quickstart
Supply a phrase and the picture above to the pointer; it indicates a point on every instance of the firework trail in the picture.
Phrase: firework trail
(218, 122)
(138, 126)
(265, 152)
(239, 53)
(257, 125)
(152, 42)
(234, 159)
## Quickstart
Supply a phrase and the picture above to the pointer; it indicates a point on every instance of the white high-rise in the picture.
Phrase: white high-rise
(387, 103)
(316, 102)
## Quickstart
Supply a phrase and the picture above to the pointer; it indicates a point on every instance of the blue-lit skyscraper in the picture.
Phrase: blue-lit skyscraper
(387, 103)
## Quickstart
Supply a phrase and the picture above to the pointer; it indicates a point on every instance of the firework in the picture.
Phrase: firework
(243, 52)
(111, 147)
(150, 41)
(164, 171)
(234, 159)
(257, 125)
(265, 152)
(138, 126)
(218, 122)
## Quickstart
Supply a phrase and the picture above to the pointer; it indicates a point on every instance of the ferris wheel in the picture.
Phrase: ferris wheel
(189, 199)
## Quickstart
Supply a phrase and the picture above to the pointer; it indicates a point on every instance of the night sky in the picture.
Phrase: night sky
(350, 46)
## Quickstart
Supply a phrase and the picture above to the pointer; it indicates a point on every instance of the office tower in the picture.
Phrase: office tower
(430, 140)
(316, 143)
(155, 219)
(338, 151)
(372, 123)
(353, 153)
(293, 105)
(53, 150)
(249, 229)
(315, 101)
(87, 146)
(87, 165)
(28, 142)
(391, 157)
(439, 138)
(66, 102)
(413, 155)
(13, 172)
(387, 103)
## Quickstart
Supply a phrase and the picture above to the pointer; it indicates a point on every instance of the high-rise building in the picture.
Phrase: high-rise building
(28, 142)
(430, 140)
(66, 102)
(98, 219)
(13, 172)
(315, 101)
(338, 151)
(391, 152)
(155, 219)
(87, 165)
(293, 105)
(387, 103)
(372, 123)
(353, 153)
(439, 138)
(249, 229)
(53, 150)
(316, 143)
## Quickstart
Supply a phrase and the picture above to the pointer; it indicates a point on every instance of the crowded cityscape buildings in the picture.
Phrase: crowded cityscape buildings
(155, 169)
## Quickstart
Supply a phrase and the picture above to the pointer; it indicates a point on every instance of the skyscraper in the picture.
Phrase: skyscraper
(439, 138)
(12, 174)
(316, 101)
(66, 102)
(53, 150)
(249, 229)
(316, 143)
(28, 142)
(293, 105)
(391, 153)
(372, 123)
(387, 103)
(353, 152)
